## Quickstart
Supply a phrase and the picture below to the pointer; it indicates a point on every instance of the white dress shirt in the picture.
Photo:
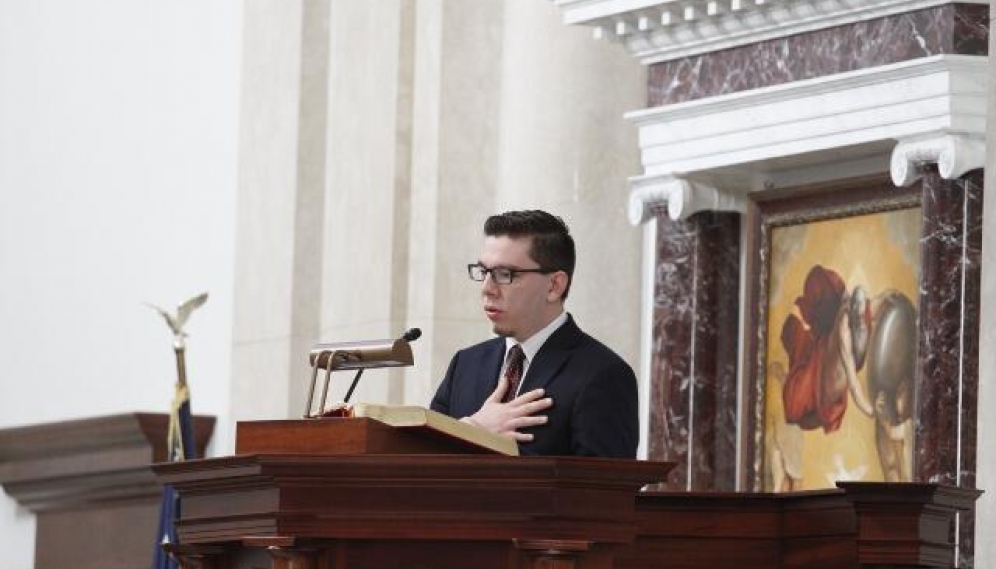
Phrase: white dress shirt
(531, 346)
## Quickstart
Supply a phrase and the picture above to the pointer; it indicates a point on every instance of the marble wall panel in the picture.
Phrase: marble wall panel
(947, 29)
(951, 248)
(694, 371)
(949, 326)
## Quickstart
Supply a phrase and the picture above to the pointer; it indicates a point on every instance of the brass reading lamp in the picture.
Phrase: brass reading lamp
(357, 356)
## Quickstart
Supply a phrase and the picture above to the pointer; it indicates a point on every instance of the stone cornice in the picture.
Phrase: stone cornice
(933, 107)
(903, 101)
(662, 30)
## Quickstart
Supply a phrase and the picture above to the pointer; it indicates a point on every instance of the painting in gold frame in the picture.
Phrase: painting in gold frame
(836, 338)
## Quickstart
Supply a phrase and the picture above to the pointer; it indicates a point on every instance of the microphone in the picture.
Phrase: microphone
(411, 335)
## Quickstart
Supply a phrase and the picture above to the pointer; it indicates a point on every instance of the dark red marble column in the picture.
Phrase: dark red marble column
(947, 391)
(694, 366)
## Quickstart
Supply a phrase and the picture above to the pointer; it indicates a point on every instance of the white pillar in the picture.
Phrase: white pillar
(566, 148)
(985, 546)
(266, 226)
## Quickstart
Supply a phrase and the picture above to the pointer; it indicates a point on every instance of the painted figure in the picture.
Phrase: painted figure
(820, 350)
(784, 441)
(837, 336)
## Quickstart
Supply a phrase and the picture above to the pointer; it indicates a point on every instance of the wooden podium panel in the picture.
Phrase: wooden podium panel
(425, 497)
(417, 511)
(349, 510)
(330, 493)
(451, 512)
(344, 436)
(860, 524)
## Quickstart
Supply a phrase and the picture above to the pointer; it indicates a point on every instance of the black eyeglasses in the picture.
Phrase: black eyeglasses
(500, 275)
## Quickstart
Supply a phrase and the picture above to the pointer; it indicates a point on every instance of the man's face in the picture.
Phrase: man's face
(523, 307)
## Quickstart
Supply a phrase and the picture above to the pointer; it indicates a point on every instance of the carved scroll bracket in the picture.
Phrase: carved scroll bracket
(560, 554)
(682, 197)
(293, 558)
(195, 557)
(954, 154)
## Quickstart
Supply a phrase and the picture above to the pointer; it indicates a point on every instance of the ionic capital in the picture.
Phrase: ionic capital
(954, 154)
(682, 197)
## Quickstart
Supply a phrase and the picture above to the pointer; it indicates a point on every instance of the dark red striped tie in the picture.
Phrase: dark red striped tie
(513, 371)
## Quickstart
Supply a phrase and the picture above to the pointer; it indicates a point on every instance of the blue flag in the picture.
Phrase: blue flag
(179, 446)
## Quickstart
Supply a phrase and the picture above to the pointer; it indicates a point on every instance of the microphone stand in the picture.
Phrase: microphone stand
(352, 386)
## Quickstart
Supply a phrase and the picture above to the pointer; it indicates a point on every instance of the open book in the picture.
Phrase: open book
(420, 418)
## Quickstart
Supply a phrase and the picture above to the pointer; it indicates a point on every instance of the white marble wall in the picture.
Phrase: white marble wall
(985, 546)
(364, 178)
(118, 145)
(564, 150)
(266, 286)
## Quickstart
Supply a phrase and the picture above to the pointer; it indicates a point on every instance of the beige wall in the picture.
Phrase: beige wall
(118, 142)
(435, 114)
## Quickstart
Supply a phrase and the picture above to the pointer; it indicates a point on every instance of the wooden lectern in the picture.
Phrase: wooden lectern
(349, 508)
(342, 494)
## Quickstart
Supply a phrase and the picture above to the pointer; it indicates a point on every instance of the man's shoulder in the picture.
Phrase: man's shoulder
(590, 349)
(591, 345)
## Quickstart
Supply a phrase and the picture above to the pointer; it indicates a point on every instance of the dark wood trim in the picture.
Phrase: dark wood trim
(450, 512)
(91, 484)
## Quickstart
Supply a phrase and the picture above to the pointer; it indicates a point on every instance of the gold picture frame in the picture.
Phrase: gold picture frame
(836, 267)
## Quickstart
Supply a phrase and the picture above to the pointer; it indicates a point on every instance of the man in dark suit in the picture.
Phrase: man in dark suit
(543, 381)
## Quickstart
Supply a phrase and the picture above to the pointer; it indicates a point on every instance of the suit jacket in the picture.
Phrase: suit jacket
(594, 410)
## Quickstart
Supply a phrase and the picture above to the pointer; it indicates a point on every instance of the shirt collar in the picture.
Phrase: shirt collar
(532, 345)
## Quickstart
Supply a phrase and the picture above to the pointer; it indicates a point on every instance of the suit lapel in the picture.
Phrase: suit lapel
(553, 356)
(491, 364)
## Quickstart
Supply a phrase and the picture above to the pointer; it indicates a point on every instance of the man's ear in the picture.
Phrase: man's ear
(558, 284)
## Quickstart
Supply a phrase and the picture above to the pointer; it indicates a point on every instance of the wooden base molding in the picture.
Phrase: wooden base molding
(450, 512)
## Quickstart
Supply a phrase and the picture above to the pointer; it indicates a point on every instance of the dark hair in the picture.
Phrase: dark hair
(552, 244)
